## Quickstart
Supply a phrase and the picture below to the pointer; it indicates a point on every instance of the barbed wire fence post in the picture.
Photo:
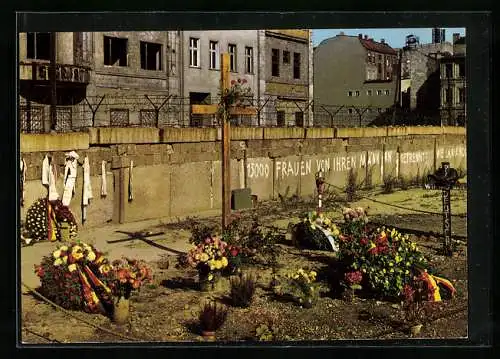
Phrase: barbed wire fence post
(94, 109)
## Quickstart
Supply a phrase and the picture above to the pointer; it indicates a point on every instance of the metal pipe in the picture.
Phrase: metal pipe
(53, 82)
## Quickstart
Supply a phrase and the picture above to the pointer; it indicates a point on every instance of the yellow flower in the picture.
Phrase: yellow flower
(398, 259)
(63, 248)
(91, 256)
(204, 257)
(224, 262)
(210, 277)
(391, 271)
(105, 268)
(76, 249)
(72, 267)
(211, 264)
(65, 259)
(57, 253)
(218, 264)
(58, 262)
(77, 255)
(336, 232)
(296, 276)
(372, 245)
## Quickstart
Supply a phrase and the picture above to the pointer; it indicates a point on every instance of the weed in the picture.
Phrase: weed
(242, 290)
(212, 316)
(390, 183)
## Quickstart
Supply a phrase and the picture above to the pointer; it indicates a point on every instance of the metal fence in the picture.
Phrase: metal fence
(169, 111)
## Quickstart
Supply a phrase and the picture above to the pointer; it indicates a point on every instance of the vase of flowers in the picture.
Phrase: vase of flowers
(210, 258)
(124, 276)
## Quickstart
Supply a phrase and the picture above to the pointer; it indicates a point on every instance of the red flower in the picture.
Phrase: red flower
(373, 251)
(363, 241)
(353, 277)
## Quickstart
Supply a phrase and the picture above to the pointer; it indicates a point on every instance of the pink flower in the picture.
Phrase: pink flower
(353, 277)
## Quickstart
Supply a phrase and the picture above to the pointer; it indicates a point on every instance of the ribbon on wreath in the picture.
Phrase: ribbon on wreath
(434, 284)
(51, 223)
(91, 300)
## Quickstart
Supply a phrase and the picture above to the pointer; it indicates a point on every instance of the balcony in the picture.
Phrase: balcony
(39, 71)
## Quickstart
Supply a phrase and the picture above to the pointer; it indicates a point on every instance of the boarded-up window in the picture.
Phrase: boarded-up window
(31, 119)
(147, 118)
(280, 118)
(119, 117)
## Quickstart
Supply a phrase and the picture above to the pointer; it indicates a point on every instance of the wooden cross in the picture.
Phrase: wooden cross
(226, 136)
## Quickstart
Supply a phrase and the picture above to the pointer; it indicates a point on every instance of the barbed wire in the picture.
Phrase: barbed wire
(40, 335)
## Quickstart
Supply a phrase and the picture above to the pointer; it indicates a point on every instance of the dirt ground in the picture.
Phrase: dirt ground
(166, 309)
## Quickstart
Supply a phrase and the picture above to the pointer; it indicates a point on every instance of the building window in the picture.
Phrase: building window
(369, 92)
(115, 51)
(449, 71)
(387, 92)
(448, 99)
(379, 92)
(38, 45)
(232, 57)
(461, 70)
(357, 93)
(461, 95)
(286, 57)
(350, 111)
(280, 118)
(150, 56)
(296, 65)
(214, 55)
(275, 63)
(349, 93)
(379, 71)
(249, 60)
(299, 119)
(147, 118)
(379, 57)
(119, 117)
(194, 52)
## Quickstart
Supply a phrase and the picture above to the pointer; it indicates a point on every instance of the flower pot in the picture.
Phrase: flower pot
(415, 330)
(208, 335)
(121, 310)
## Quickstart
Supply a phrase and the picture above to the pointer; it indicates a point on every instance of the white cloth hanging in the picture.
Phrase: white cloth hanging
(87, 188)
(70, 172)
(130, 177)
(23, 179)
(104, 188)
(53, 195)
(45, 171)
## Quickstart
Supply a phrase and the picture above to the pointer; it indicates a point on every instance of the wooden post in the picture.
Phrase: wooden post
(226, 147)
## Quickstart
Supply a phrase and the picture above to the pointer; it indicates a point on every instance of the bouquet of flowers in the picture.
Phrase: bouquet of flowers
(70, 278)
(237, 95)
(209, 258)
(355, 220)
(313, 232)
(45, 218)
(125, 275)
(300, 285)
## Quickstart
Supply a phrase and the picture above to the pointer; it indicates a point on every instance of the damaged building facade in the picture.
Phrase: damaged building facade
(152, 78)
(102, 79)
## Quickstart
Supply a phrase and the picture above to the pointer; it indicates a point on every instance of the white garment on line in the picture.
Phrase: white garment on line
(130, 177)
(87, 188)
(45, 171)
(53, 195)
(104, 189)
(23, 178)
(70, 172)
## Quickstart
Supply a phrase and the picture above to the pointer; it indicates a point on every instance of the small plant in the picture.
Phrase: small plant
(351, 186)
(352, 282)
(242, 290)
(212, 317)
(389, 184)
(299, 285)
(404, 183)
(263, 333)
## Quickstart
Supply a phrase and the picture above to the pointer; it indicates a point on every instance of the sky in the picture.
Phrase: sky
(395, 37)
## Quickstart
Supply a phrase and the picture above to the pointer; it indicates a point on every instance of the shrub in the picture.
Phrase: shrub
(242, 290)
(390, 183)
(212, 316)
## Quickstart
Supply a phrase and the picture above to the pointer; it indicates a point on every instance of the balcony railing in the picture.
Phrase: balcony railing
(39, 71)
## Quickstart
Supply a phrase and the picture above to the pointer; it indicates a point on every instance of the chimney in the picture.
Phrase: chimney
(456, 37)
(360, 36)
(341, 33)
(382, 41)
(366, 37)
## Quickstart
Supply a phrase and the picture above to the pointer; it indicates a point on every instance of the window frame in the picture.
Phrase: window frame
(159, 62)
(286, 52)
(34, 49)
(249, 68)
(296, 65)
(214, 55)
(110, 54)
(275, 61)
(194, 52)
(233, 57)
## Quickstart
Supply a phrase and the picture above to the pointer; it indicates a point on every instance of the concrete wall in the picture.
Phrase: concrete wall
(178, 173)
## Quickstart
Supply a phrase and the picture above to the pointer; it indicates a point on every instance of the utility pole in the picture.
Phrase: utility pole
(53, 82)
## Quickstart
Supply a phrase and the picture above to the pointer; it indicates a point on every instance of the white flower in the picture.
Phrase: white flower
(57, 253)
(91, 256)
(72, 267)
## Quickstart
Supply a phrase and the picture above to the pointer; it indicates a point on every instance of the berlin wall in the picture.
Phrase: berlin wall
(177, 172)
